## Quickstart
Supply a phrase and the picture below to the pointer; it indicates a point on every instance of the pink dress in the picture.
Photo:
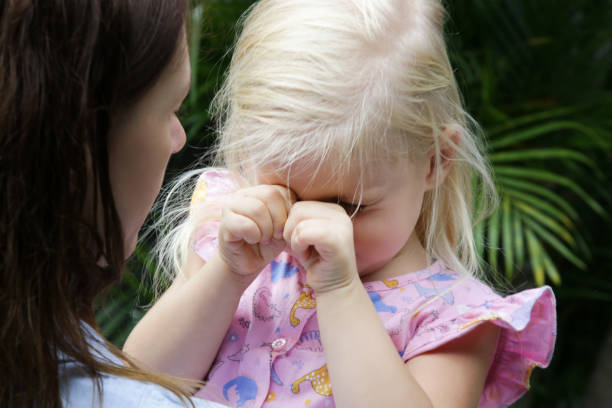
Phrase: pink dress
(272, 354)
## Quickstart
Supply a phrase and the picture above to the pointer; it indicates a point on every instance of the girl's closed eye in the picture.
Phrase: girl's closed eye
(352, 209)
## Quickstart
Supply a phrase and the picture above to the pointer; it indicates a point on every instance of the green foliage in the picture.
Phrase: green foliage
(533, 210)
(545, 137)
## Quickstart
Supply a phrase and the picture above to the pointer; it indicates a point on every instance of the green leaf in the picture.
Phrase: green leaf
(519, 244)
(479, 237)
(144, 258)
(493, 239)
(195, 123)
(479, 226)
(554, 242)
(535, 257)
(538, 131)
(507, 244)
(547, 221)
(547, 176)
(197, 20)
(117, 315)
(538, 189)
(539, 203)
(541, 154)
(112, 305)
(551, 269)
(545, 115)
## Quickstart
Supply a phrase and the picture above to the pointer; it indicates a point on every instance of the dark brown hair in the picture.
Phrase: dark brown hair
(66, 66)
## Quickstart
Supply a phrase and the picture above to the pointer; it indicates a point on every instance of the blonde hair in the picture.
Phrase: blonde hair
(359, 81)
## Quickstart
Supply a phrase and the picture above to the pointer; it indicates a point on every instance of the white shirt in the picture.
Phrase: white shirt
(78, 389)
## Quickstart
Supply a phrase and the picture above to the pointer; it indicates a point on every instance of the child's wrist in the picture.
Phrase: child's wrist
(339, 288)
(234, 280)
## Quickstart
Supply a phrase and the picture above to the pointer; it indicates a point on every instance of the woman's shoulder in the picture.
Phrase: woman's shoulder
(78, 389)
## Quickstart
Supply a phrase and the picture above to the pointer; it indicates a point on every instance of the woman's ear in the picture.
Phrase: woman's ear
(448, 150)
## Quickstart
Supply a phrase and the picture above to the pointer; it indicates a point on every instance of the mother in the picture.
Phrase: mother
(89, 91)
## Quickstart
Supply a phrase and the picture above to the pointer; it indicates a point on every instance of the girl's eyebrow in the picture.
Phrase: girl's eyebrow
(366, 196)
(329, 199)
(339, 200)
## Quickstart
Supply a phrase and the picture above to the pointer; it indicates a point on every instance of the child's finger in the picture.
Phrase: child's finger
(314, 234)
(290, 197)
(236, 227)
(257, 211)
(278, 201)
(304, 210)
(303, 241)
(279, 213)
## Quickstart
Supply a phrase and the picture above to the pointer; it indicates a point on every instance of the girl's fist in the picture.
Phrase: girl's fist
(251, 230)
(321, 237)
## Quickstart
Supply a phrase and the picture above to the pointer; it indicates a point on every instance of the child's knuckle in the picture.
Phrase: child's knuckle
(258, 209)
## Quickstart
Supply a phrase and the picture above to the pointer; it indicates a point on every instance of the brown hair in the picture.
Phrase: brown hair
(65, 67)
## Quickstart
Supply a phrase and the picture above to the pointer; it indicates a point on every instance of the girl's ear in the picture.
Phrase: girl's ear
(448, 150)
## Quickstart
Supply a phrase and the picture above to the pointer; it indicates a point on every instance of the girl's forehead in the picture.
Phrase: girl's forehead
(320, 181)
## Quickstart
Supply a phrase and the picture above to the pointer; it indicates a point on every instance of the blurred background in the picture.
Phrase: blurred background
(536, 74)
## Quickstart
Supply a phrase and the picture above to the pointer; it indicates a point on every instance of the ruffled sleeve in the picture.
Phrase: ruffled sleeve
(213, 187)
(527, 338)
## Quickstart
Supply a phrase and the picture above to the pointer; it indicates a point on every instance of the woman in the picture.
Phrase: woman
(87, 125)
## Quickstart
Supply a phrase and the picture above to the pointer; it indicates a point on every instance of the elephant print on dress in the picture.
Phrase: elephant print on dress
(305, 301)
(244, 387)
(319, 379)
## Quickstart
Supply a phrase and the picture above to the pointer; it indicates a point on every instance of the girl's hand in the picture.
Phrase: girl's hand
(251, 230)
(321, 238)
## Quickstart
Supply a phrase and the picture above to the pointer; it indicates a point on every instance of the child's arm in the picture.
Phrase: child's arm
(181, 334)
(364, 366)
(366, 370)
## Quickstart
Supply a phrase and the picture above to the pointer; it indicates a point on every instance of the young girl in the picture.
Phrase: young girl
(331, 262)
